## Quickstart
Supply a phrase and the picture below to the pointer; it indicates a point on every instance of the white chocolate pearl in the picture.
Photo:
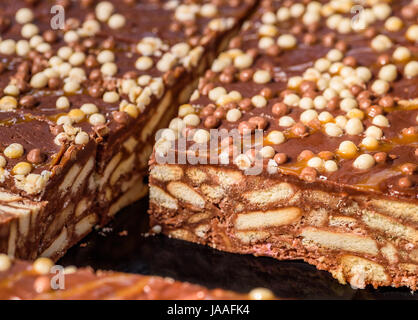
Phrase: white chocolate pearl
(29, 30)
(320, 102)
(381, 43)
(185, 109)
(393, 24)
(77, 58)
(306, 103)
(276, 137)
(116, 21)
(411, 69)
(364, 162)
(109, 69)
(71, 36)
(261, 76)
(43, 265)
(296, 10)
(64, 120)
(81, 138)
(111, 97)
(62, 103)
(335, 55)
(294, 82)
(291, 100)
(333, 130)
(315, 162)
(325, 116)
(22, 168)
(381, 121)
(269, 18)
(24, 15)
(143, 63)
(322, 64)
(71, 86)
(287, 41)
(5, 262)
(381, 10)
(364, 73)
(177, 124)
(13, 151)
(380, 87)
(354, 126)
(191, 120)
(347, 148)
(265, 43)
(286, 121)
(412, 33)
(201, 136)
(267, 152)
(39, 80)
(341, 121)
(370, 143)
(22, 48)
(330, 166)
(329, 93)
(283, 14)
(169, 134)
(233, 115)
(308, 115)
(105, 56)
(267, 30)
(401, 54)
(89, 108)
(208, 10)
(259, 101)
(104, 10)
(97, 119)
(347, 104)
(243, 61)
(374, 132)
(217, 92)
(388, 72)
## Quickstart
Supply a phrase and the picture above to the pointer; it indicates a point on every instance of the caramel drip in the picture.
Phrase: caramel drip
(131, 291)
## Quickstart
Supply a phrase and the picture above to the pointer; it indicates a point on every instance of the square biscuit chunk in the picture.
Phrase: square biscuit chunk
(301, 142)
(33, 281)
(85, 85)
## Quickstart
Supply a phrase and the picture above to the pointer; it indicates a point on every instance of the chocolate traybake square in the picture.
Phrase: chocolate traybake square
(334, 96)
(80, 103)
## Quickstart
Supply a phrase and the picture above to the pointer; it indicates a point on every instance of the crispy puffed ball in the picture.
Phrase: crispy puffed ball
(261, 76)
(330, 166)
(22, 168)
(43, 265)
(388, 72)
(381, 43)
(412, 33)
(275, 137)
(354, 126)
(364, 162)
(370, 143)
(233, 115)
(347, 148)
(411, 69)
(201, 136)
(287, 41)
(380, 87)
(267, 152)
(13, 151)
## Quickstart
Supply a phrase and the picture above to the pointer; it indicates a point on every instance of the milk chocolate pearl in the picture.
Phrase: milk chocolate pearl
(308, 174)
(280, 158)
(35, 156)
(246, 75)
(210, 75)
(374, 111)
(279, 109)
(364, 95)
(365, 103)
(95, 75)
(333, 104)
(109, 43)
(28, 101)
(405, 182)
(380, 157)
(130, 75)
(416, 152)
(305, 155)
(410, 131)
(326, 155)
(266, 93)
(370, 32)
(235, 42)
(245, 127)
(386, 102)
(54, 83)
(120, 117)
(245, 104)
(226, 78)
(220, 113)
(206, 88)
(211, 122)
(355, 90)
(328, 40)
(91, 62)
(274, 50)
(309, 39)
(299, 129)
(231, 105)
(42, 284)
(409, 168)
(50, 36)
(307, 85)
(341, 45)
(409, 12)
(350, 61)
(95, 91)
(383, 59)
(208, 110)
(258, 122)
